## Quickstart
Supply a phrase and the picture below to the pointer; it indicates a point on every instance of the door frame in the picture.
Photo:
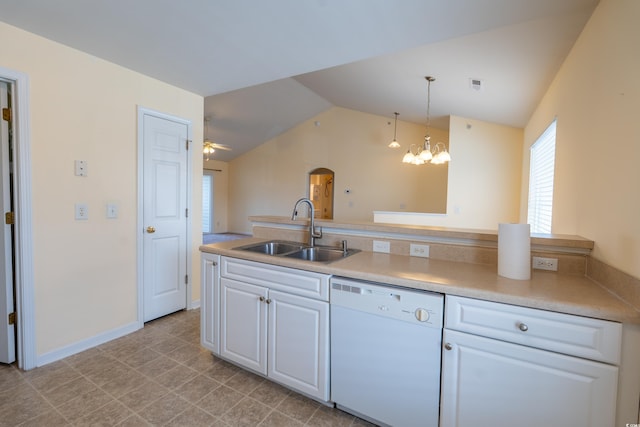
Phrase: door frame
(23, 245)
(142, 111)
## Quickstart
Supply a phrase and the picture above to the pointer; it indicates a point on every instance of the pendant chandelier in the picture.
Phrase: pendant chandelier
(423, 153)
(394, 143)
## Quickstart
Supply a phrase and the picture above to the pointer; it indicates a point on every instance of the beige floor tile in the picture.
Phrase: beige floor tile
(52, 378)
(298, 407)
(248, 412)
(219, 401)
(84, 404)
(176, 376)
(124, 383)
(66, 392)
(196, 388)
(47, 419)
(157, 367)
(164, 409)
(222, 371)
(270, 393)
(144, 395)
(22, 403)
(330, 417)
(108, 415)
(134, 420)
(244, 382)
(278, 419)
(193, 417)
(141, 357)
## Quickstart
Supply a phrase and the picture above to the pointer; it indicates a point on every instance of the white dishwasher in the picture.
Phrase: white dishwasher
(386, 352)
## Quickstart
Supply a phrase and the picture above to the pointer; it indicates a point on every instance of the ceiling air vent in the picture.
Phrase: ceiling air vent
(476, 84)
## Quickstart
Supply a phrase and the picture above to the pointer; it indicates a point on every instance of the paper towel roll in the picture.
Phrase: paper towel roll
(514, 251)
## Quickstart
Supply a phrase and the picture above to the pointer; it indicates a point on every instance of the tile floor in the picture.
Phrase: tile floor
(157, 376)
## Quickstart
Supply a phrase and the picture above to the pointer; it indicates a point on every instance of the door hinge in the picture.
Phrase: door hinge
(12, 318)
(186, 279)
(186, 212)
(188, 141)
(6, 114)
(9, 218)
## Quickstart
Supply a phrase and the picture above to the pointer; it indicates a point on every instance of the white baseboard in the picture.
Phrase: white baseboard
(194, 305)
(71, 349)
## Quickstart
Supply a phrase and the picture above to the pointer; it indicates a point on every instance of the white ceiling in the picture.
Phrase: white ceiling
(265, 66)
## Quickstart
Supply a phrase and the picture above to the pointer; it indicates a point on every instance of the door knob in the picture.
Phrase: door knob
(151, 229)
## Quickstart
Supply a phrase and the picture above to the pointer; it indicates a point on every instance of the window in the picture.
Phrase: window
(207, 202)
(543, 156)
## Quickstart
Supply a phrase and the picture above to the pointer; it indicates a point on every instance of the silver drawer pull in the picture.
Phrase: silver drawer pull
(523, 327)
(448, 346)
(261, 298)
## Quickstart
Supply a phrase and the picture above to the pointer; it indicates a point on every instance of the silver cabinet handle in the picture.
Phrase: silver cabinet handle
(523, 327)
(261, 298)
(448, 346)
(268, 301)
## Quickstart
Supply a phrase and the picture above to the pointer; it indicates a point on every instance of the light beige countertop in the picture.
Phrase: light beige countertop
(571, 294)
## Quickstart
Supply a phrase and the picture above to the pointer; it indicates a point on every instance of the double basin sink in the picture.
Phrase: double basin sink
(298, 251)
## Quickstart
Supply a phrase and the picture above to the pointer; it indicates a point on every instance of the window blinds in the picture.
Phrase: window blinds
(543, 154)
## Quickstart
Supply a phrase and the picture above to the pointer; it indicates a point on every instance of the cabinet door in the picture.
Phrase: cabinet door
(299, 343)
(209, 297)
(486, 382)
(243, 324)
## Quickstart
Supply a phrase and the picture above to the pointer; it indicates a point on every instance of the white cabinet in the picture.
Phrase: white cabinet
(275, 321)
(209, 300)
(488, 381)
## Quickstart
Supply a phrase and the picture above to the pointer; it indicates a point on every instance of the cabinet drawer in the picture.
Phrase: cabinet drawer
(563, 333)
(298, 282)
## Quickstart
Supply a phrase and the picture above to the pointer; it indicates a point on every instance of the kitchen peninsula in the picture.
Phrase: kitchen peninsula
(463, 265)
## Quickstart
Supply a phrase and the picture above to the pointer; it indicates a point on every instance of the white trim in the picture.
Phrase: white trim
(194, 305)
(26, 342)
(80, 346)
(142, 111)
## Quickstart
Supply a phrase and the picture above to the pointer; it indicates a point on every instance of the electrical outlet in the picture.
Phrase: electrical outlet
(82, 211)
(381, 246)
(550, 264)
(419, 250)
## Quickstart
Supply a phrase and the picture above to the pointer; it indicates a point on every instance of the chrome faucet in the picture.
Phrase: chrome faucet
(313, 233)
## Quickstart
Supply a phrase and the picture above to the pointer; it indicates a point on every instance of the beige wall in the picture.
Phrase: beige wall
(484, 178)
(85, 108)
(269, 179)
(596, 99)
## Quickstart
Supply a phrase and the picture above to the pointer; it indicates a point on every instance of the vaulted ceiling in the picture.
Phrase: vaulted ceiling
(265, 66)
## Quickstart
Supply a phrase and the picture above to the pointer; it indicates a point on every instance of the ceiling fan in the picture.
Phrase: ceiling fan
(209, 147)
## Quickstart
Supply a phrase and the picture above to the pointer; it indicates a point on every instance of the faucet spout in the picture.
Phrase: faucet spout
(313, 232)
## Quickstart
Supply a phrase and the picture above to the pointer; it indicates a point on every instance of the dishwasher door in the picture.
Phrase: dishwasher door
(386, 353)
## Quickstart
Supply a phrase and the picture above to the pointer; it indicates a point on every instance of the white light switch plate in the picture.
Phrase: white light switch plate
(381, 246)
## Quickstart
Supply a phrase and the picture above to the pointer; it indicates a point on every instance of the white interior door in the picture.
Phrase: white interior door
(164, 216)
(7, 331)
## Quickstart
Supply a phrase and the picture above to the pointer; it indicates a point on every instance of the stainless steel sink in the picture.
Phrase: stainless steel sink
(321, 254)
(276, 247)
(298, 251)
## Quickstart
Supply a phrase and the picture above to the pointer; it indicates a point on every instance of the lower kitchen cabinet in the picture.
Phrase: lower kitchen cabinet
(209, 300)
(275, 321)
(492, 382)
